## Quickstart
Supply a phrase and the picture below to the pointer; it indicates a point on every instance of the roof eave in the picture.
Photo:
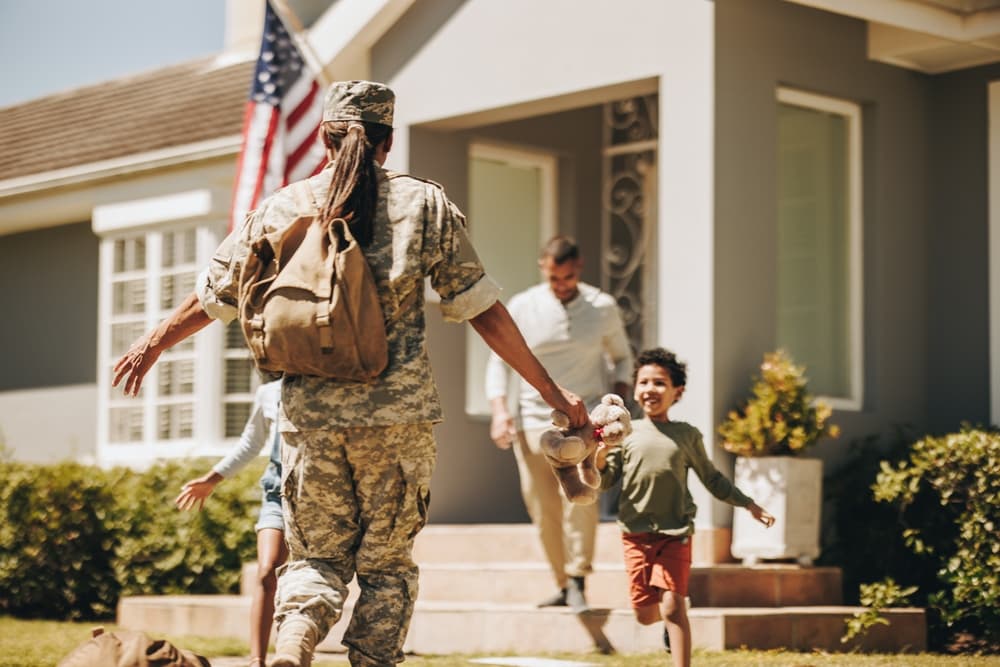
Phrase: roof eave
(129, 164)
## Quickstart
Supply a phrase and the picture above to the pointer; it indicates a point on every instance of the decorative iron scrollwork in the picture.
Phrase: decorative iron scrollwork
(628, 212)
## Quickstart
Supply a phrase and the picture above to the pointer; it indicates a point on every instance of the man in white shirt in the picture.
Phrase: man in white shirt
(576, 331)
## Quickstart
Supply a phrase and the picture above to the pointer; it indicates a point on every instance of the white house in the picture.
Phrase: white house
(742, 174)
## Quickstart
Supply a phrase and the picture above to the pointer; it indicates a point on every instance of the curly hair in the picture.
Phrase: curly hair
(665, 359)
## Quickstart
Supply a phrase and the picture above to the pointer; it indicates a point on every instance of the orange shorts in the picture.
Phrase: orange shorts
(655, 563)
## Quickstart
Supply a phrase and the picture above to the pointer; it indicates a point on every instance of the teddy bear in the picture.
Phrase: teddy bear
(571, 452)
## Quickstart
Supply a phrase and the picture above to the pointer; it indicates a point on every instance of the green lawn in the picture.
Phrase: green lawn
(734, 659)
(44, 643)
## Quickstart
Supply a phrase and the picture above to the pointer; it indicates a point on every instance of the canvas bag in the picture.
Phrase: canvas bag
(308, 304)
(125, 648)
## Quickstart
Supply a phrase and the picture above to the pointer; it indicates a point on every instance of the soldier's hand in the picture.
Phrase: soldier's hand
(134, 364)
(574, 408)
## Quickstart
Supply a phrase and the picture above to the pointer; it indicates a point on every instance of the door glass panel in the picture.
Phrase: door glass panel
(505, 224)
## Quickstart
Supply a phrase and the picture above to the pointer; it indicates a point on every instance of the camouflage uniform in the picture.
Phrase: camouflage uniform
(358, 457)
(355, 499)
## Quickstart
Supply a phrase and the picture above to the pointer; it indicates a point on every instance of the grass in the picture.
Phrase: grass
(45, 643)
(735, 659)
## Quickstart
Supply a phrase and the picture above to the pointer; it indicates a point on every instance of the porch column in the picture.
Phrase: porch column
(993, 190)
(685, 240)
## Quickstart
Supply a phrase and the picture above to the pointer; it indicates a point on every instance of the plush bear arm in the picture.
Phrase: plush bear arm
(576, 491)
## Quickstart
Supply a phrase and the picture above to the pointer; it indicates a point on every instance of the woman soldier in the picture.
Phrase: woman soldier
(357, 457)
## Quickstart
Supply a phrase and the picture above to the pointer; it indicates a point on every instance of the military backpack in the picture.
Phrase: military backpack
(308, 304)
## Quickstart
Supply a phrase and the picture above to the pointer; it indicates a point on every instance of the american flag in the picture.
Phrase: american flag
(280, 122)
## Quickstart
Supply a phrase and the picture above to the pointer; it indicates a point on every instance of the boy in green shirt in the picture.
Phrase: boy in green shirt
(655, 510)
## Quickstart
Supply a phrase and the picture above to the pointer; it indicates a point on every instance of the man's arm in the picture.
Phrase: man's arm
(497, 378)
(498, 330)
(188, 319)
(502, 430)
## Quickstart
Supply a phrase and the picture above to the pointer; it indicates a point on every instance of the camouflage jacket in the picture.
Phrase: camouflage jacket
(418, 233)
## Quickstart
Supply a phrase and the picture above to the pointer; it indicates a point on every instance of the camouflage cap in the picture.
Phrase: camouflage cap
(359, 100)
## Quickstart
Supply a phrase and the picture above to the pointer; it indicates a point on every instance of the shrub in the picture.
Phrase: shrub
(74, 538)
(876, 597)
(781, 418)
(871, 549)
(948, 494)
(57, 536)
(163, 551)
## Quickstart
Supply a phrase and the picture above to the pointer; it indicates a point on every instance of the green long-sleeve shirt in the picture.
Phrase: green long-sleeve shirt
(653, 464)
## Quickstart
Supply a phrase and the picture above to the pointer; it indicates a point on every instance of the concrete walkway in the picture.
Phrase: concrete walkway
(235, 661)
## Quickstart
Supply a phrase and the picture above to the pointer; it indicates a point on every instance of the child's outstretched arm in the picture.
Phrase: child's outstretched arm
(194, 492)
(761, 514)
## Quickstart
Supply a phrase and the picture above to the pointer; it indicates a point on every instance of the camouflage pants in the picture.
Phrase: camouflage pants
(354, 500)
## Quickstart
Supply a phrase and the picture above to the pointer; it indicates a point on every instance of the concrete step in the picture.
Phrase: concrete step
(507, 542)
(454, 627)
(528, 582)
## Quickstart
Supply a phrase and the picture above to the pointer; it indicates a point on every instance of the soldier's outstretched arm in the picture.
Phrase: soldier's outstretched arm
(188, 319)
(497, 328)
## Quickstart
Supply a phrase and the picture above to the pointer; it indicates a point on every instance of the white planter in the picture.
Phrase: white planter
(791, 489)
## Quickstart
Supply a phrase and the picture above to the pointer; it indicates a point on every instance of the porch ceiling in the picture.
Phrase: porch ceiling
(962, 6)
(931, 36)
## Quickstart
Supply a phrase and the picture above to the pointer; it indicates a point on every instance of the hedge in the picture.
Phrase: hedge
(924, 514)
(74, 538)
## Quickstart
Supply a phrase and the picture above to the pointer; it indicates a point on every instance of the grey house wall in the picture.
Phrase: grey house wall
(49, 297)
(475, 481)
(958, 382)
(764, 44)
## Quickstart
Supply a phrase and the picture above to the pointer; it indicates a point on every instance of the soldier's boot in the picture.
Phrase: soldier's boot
(295, 643)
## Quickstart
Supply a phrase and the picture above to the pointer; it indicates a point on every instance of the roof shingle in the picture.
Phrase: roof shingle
(172, 106)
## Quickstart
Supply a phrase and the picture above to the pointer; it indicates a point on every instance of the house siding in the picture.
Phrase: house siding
(50, 300)
(958, 361)
(765, 44)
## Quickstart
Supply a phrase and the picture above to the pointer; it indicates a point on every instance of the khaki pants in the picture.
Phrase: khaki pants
(354, 500)
(566, 530)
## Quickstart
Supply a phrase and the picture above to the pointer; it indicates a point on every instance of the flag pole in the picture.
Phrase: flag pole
(289, 18)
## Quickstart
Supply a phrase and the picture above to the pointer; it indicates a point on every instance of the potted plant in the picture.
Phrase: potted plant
(767, 434)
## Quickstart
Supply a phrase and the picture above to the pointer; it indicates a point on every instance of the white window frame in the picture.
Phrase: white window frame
(851, 111)
(204, 211)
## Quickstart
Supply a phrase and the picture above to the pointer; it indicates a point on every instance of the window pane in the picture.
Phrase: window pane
(239, 376)
(119, 256)
(129, 254)
(234, 336)
(125, 424)
(175, 421)
(179, 248)
(123, 335)
(174, 288)
(814, 245)
(128, 297)
(176, 377)
(237, 414)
